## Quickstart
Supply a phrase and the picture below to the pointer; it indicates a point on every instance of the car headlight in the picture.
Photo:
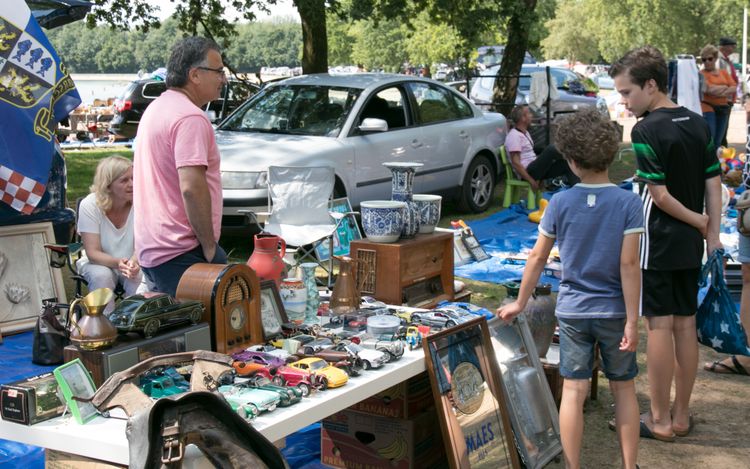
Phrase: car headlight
(601, 106)
(243, 179)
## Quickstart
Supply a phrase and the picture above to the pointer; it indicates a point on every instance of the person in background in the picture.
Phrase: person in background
(739, 364)
(677, 173)
(178, 199)
(599, 289)
(719, 94)
(520, 147)
(105, 223)
(727, 46)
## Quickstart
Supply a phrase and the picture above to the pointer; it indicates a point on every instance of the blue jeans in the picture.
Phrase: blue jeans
(165, 277)
(577, 340)
(718, 123)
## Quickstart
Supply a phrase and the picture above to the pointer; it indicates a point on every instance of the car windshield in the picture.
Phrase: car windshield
(295, 109)
(354, 348)
(318, 365)
(127, 308)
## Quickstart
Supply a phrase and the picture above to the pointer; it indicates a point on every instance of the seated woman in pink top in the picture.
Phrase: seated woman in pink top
(526, 164)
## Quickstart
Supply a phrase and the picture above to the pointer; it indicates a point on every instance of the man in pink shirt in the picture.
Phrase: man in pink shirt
(177, 196)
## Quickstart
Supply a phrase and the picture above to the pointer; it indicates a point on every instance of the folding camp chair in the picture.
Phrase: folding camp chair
(514, 186)
(298, 200)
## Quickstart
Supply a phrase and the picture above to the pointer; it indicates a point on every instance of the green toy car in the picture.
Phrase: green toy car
(149, 312)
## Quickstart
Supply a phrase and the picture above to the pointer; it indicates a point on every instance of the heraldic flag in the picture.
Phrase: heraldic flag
(36, 92)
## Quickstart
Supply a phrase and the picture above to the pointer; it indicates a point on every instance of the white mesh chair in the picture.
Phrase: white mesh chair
(298, 209)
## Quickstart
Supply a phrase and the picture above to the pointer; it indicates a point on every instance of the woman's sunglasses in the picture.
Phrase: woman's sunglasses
(708, 59)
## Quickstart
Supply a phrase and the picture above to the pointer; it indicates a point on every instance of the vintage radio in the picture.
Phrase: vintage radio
(131, 349)
(231, 296)
(417, 272)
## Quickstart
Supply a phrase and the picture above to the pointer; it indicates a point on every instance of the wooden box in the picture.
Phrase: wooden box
(417, 272)
(131, 349)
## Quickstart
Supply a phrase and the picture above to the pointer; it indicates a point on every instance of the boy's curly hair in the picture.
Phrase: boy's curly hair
(589, 139)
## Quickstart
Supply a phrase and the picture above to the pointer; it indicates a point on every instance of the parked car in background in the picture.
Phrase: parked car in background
(488, 56)
(574, 93)
(135, 98)
(354, 123)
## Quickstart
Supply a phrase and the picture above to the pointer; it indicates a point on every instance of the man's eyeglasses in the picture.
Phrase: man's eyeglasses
(708, 59)
(219, 70)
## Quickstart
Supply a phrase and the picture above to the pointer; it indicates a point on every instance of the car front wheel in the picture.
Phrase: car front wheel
(151, 327)
(478, 185)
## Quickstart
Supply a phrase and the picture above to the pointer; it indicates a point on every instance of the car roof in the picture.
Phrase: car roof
(349, 80)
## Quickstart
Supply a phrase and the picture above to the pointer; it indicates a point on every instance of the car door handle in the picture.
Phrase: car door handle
(463, 134)
(416, 143)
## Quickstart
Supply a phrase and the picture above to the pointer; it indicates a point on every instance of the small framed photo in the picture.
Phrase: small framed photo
(272, 313)
(74, 381)
(468, 394)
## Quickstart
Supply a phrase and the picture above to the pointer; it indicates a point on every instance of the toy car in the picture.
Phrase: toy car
(387, 343)
(266, 359)
(161, 386)
(413, 337)
(287, 395)
(315, 346)
(249, 402)
(331, 376)
(368, 357)
(440, 318)
(301, 338)
(149, 312)
(271, 350)
(338, 359)
(298, 378)
(251, 368)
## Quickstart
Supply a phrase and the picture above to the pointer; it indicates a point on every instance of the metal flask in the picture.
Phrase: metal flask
(345, 298)
(94, 330)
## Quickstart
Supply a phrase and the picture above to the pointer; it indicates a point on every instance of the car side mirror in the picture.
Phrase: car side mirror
(371, 124)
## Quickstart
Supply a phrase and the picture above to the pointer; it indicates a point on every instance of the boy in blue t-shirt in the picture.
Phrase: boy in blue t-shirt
(597, 226)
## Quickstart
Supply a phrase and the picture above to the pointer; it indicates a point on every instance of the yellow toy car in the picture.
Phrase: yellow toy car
(328, 376)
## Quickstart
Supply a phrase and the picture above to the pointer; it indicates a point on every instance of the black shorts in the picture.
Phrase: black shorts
(669, 292)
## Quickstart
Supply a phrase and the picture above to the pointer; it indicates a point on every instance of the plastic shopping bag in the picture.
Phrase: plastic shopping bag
(718, 320)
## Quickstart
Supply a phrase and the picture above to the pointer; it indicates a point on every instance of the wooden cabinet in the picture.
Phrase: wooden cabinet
(417, 272)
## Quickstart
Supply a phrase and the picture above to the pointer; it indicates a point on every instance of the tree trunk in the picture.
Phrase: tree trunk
(314, 36)
(521, 20)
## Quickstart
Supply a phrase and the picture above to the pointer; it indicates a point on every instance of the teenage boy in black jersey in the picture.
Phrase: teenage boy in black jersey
(677, 170)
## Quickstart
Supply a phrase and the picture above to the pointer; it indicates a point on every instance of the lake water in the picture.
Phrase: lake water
(101, 85)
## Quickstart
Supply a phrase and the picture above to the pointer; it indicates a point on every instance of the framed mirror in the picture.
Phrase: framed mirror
(469, 397)
(532, 409)
(272, 312)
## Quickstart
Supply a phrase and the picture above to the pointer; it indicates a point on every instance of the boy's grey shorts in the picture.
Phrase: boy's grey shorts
(577, 340)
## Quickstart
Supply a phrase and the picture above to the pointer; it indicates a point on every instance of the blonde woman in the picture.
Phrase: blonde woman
(105, 223)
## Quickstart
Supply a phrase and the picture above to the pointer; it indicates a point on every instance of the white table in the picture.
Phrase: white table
(105, 439)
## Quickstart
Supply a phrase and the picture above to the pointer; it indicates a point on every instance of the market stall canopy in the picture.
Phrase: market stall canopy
(53, 13)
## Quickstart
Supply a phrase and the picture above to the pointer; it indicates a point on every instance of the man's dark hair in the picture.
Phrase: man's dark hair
(642, 64)
(187, 53)
(588, 138)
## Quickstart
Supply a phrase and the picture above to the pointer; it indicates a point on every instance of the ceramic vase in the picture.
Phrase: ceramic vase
(267, 258)
(294, 296)
(402, 190)
(383, 220)
(428, 206)
(540, 315)
(311, 287)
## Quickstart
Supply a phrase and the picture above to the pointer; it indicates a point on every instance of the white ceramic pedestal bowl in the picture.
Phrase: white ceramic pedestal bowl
(383, 220)
(428, 206)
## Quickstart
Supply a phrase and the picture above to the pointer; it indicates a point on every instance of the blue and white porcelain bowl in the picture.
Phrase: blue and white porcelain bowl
(383, 220)
(428, 206)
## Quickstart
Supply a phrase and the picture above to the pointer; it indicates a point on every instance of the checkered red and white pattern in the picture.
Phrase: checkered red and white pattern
(18, 191)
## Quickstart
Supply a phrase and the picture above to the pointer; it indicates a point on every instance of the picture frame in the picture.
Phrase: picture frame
(346, 232)
(272, 312)
(469, 398)
(74, 381)
(26, 277)
(532, 410)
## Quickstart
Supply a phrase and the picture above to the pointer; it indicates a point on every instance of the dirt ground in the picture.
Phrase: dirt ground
(720, 406)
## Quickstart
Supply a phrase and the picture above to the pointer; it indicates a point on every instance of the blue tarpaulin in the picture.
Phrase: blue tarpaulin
(506, 236)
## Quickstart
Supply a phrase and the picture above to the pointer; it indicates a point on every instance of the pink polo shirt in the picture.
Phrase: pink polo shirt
(172, 134)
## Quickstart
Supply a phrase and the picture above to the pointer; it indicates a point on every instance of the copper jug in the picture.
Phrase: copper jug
(345, 298)
(94, 330)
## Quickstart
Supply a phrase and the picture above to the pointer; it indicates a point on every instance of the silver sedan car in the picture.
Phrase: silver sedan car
(355, 123)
